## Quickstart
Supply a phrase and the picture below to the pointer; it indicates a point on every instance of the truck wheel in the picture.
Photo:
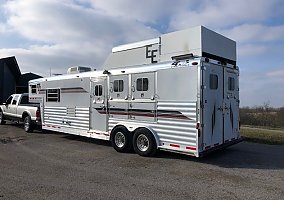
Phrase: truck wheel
(121, 139)
(2, 121)
(144, 142)
(28, 125)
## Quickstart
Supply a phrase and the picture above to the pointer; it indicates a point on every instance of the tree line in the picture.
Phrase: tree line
(264, 115)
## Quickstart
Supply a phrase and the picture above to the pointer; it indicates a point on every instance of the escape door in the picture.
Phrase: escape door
(142, 105)
(118, 96)
(98, 112)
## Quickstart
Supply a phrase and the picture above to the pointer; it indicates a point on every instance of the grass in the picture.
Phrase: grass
(263, 135)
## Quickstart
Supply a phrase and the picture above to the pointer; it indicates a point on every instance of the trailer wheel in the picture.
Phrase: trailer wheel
(28, 125)
(121, 139)
(2, 121)
(144, 142)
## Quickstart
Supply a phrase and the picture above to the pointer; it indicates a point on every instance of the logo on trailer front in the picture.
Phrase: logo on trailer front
(151, 53)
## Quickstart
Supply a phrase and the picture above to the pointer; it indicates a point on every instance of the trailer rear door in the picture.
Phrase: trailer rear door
(231, 102)
(212, 115)
(220, 92)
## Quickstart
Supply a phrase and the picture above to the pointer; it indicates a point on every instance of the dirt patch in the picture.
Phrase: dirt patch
(7, 140)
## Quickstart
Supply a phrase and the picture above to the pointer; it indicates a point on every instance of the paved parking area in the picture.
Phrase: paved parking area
(60, 166)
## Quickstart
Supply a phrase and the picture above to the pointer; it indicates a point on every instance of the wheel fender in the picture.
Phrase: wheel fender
(154, 133)
(25, 114)
(118, 125)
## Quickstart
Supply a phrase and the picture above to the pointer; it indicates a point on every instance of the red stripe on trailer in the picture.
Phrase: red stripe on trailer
(106, 134)
(191, 148)
(97, 133)
(175, 145)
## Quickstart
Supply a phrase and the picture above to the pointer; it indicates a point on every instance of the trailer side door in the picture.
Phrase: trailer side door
(118, 96)
(142, 105)
(98, 104)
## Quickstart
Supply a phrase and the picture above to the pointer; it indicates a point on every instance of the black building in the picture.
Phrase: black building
(11, 79)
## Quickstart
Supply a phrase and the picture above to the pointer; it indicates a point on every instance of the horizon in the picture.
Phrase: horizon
(52, 36)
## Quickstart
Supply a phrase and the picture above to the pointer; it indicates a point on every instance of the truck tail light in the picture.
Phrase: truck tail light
(37, 114)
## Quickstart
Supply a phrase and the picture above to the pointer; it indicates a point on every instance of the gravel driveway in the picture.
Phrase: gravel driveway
(59, 166)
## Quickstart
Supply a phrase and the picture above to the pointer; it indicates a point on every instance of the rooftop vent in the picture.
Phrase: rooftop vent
(78, 69)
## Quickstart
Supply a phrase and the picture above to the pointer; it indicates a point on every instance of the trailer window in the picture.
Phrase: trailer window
(231, 83)
(118, 85)
(142, 84)
(53, 95)
(213, 82)
(33, 89)
(98, 90)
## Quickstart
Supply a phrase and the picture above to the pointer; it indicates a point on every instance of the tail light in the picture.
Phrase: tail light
(37, 114)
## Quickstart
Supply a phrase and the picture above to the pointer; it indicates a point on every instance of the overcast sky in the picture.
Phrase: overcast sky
(57, 34)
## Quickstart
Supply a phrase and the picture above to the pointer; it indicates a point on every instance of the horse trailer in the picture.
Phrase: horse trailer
(178, 92)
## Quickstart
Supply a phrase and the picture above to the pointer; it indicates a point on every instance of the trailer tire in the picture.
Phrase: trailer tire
(2, 120)
(28, 125)
(121, 139)
(144, 142)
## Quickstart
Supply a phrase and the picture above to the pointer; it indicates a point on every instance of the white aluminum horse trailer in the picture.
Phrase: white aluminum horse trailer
(176, 93)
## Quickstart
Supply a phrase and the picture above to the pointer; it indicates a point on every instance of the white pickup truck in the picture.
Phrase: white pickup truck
(17, 108)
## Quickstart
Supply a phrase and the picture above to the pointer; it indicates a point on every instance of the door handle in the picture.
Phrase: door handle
(220, 108)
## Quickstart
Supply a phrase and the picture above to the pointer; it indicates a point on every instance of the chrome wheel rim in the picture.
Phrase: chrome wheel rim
(119, 139)
(142, 142)
(26, 124)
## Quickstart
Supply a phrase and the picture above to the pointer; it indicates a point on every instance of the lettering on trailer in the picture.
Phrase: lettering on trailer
(151, 53)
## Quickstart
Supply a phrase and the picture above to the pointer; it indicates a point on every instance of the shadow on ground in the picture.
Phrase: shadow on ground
(246, 155)
(243, 155)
